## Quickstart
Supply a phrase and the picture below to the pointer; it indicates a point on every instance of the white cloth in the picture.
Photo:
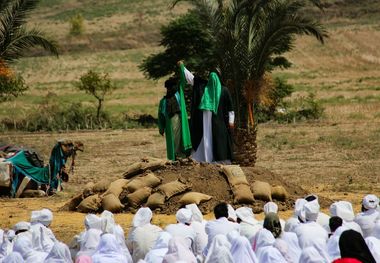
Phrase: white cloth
(376, 230)
(44, 216)
(93, 221)
(184, 216)
(242, 252)
(309, 233)
(324, 221)
(231, 117)
(198, 225)
(23, 246)
(291, 224)
(219, 226)
(189, 77)
(343, 209)
(7, 245)
(311, 210)
(249, 226)
(21, 226)
(13, 257)
(177, 251)
(370, 202)
(333, 243)
(374, 246)
(294, 249)
(197, 215)
(231, 213)
(311, 255)
(60, 253)
(109, 251)
(263, 245)
(270, 207)
(142, 217)
(299, 213)
(186, 232)
(142, 239)
(42, 237)
(219, 251)
(367, 220)
(1, 236)
(204, 152)
(90, 242)
(107, 222)
(160, 248)
(283, 248)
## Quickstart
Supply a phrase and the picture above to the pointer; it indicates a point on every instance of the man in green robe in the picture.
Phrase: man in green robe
(173, 121)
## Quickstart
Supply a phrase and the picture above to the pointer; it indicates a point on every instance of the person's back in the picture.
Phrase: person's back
(310, 232)
(184, 231)
(143, 238)
(367, 220)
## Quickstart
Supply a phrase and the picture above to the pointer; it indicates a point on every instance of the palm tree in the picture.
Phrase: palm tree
(250, 37)
(15, 38)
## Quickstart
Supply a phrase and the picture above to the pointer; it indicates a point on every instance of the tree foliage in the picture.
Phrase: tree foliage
(98, 86)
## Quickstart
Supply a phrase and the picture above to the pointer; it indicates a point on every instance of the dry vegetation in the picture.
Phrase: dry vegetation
(337, 157)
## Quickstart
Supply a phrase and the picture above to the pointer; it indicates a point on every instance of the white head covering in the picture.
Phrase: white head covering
(60, 253)
(242, 252)
(370, 202)
(109, 251)
(343, 209)
(178, 251)
(311, 255)
(184, 215)
(23, 245)
(219, 251)
(312, 210)
(270, 207)
(13, 257)
(142, 217)
(374, 246)
(232, 235)
(264, 248)
(107, 222)
(231, 212)
(160, 248)
(299, 209)
(246, 215)
(20, 226)
(294, 249)
(93, 221)
(90, 242)
(44, 216)
(263, 238)
(197, 214)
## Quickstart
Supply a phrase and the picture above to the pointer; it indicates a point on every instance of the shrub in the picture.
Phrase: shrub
(76, 25)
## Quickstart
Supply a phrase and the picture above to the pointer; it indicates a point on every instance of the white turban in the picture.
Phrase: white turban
(343, 209)
(312, 210)
(299, 209)
(197, 214)
(270, 207)
(93, 221)
(44, 216)
(184, 216)
(107, 222)
(231, 212)
(20, 226)
(142, 217)
(370, 202)
(246, 215)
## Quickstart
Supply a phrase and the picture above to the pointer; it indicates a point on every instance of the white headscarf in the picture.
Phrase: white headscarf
(93, 221)
(60, 253)
(177, 251)
(370, 202)
(294, 248)
(44, 216)
(20, 226)
(242, 252)
(7, 245)
(264, 248)
(343, 209)
(108, 222)
(23, 245)
(374, 246)
(311, 255)
(13, 257)
(312, 210)
(160, 248)
(109, 251)
(219, 251)
(231, 212)
(246, 215)
(270, 207)
(197, 214)
(90, 242)
(142, 217)
(299, 209)
(184, 215)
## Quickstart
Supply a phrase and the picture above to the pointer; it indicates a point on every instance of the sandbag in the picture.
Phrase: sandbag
(173, 188)
(112, 203)
(153, 165)
(133, 169)
(101, 186)
(72, 204)
(116, 187)
(194, 198)
(242, 194)
(279, 193)
(262, 191)
(29, 193)
(156, 200)
(88, 189)
(138, 197)
(235, 175)
(149, 180)
(90, 204)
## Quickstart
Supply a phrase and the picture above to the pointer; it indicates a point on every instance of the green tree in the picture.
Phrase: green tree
(11, 86)
(98, 86)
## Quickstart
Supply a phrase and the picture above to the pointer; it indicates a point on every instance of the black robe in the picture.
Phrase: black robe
(221, 136)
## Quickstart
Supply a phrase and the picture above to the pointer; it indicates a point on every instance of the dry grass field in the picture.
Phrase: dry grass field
(337, 157)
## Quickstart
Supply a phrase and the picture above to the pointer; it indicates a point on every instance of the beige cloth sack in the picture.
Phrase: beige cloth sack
(173, 188)
(262, 191)
(138, 197)
(116, 187)
(235, 175)
(149, 180)
(88, 189)
(242, 194)
(279, 193)
(101, 186)
(112, 203)
(156, 200)
(90, 204)
(194, 198)
(133, 169)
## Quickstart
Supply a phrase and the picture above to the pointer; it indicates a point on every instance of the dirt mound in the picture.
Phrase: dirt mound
(178, 178)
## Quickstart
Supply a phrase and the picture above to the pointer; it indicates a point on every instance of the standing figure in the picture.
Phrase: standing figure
(172, 121)
(212, 118)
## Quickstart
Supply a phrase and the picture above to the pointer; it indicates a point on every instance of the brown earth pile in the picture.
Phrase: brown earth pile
(178, 178)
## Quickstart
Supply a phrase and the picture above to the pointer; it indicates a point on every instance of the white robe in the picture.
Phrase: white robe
(367, 220)
(309, 233)
(294, 248)
(42, 237)
(13, 257)
(374, 246)
(60, 253)
(242, 252)
(177, 251)
(333, 243)
(160, 248)
(23, 246)
(219, 251)
(90, 242)
(311, 255)
(142, 239)
(184, 231)
(109, 251)
(219, 226)
(265, 251)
